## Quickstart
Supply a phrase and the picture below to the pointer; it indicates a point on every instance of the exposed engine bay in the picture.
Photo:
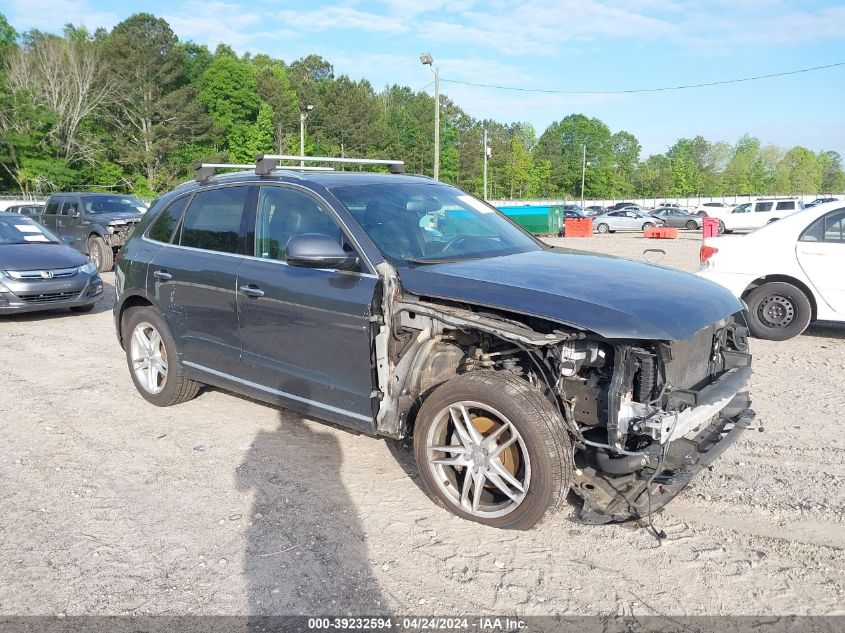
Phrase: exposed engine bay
(644, 416)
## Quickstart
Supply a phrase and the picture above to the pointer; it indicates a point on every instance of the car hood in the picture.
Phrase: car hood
(117, 216)
(613, 297)
(39, 256)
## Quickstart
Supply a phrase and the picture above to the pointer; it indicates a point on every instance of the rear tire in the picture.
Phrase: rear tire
(721, 227)
(538, 454)
(100, 253)
(153, 359)
(602, 228)
(692, 225)
(778, 311)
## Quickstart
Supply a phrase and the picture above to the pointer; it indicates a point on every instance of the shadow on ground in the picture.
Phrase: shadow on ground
(306, 551)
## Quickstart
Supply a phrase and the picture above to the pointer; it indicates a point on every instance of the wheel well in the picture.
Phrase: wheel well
(131, 302)
(787, 280)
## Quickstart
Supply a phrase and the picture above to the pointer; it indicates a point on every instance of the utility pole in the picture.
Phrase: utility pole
(486, 156)
(437, 123)
(427, 60)
(583, 171)
(302, 117)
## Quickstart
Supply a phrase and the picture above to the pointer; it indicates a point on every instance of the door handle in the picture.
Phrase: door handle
(252, 291)
(162, 275)
(59, 223)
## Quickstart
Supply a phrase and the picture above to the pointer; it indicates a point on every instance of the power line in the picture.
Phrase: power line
(636, 90)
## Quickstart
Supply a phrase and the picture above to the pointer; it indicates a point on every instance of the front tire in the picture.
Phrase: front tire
(100, 253)
(152, 359)
(648, 225)
(491, 448)
(722, 228)
(603, 228)
(778, 311)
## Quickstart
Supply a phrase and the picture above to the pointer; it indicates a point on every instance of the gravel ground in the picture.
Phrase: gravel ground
(226, 506)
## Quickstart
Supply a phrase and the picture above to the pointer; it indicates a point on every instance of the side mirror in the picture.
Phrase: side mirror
(317, 250)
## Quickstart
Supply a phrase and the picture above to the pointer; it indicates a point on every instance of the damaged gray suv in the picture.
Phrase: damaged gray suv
(400, 306)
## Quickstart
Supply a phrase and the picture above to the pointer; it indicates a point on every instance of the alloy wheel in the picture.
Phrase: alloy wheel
(149, 357)
(478, 459)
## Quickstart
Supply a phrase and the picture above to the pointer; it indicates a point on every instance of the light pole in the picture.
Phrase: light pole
(487, 152)
(302, 117)
(428, 60)
(583, 172)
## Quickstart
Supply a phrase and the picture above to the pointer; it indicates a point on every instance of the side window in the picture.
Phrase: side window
(763, 207)
(165, 223)
(828, 228)
(213, 220)
(53, 206)
(786, 206)
(283, 213)
(70, 206)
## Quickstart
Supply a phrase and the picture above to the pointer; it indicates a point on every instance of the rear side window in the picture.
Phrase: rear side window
(828, 228)
(763, 207)
(162, 229)
(213, 220)
(786, 206)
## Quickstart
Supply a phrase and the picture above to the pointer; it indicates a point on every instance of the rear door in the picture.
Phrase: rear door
(194, 280)
(821, 254)
(306, 332)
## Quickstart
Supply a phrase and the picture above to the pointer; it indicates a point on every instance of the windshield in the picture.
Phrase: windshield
(112, 204)
(22, 230)
(428, 223)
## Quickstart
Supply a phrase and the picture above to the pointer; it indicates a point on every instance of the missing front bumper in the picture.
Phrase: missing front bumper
(608, 499)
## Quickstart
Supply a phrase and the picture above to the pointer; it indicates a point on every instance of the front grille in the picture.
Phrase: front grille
(690, 364)
(33, 275)
(48, 297)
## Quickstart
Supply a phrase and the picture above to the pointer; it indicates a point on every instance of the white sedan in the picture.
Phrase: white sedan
(789, 273)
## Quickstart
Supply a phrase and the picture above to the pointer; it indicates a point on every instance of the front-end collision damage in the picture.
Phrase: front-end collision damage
(644, 416)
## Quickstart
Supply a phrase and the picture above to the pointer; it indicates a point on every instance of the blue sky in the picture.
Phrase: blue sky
(548, 44)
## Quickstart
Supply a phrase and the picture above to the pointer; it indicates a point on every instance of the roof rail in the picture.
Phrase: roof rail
(265, 163)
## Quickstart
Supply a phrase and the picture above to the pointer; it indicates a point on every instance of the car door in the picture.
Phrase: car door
(821, 254)
(194, 279)
(306, 332)
(71, 225)
(51, 212)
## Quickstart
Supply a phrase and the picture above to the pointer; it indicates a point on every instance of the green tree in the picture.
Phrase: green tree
(156, 111)
(832, 176)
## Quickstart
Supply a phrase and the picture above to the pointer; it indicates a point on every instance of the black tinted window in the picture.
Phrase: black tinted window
(213, 220)
(763, 207)
(828, 228)
(53, 205)
(162, 228)
(786, 206)
(283, 213)
(70, 206)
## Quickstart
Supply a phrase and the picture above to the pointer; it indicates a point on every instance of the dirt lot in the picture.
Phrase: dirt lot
(227, 506)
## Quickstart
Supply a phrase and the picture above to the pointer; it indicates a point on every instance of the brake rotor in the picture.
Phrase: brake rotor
(510, 456)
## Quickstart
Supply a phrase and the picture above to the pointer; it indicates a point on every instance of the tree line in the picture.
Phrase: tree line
(132, 108)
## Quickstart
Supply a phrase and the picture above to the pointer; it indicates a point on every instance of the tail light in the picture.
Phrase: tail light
(707, 252)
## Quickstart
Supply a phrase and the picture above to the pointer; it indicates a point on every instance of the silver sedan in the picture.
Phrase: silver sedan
(624, 220)
(678, 218)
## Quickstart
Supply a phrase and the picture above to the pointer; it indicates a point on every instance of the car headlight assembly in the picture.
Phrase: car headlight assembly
(89, 268)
